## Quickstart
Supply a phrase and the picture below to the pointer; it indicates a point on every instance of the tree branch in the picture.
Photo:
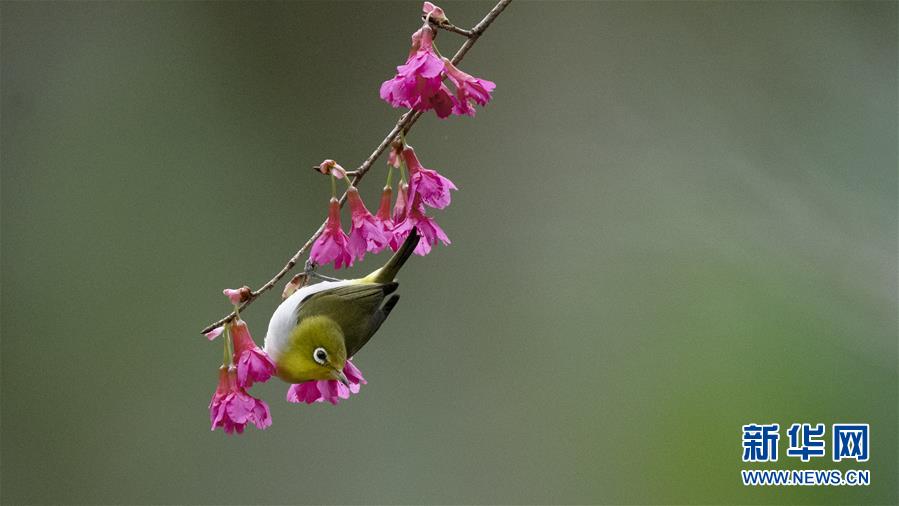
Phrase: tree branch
(404, 124)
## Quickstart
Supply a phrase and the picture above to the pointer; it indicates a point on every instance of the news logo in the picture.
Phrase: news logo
(760, 442)
(811, 445)
(848, 441)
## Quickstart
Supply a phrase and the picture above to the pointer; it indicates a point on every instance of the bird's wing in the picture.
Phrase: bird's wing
(356, 308)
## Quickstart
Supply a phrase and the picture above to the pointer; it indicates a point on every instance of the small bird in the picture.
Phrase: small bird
(315, 330)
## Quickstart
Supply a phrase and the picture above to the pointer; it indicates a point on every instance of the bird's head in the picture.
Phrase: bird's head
(316, 351)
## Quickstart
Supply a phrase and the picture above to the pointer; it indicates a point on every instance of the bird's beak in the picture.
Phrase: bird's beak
(341, 377)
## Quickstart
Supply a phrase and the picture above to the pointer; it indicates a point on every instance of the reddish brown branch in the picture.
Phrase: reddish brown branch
(404, 124)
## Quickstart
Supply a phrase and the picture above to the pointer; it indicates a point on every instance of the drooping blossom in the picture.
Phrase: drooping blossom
(399, 207)
(418, 83)
(393, 156)
(384, 216)
(332, 244)
(365, 232)
(232, 408)
(433, 188)
(428, 229)
(399, 215)
(253, 364)
(327, 390)
(468, 88)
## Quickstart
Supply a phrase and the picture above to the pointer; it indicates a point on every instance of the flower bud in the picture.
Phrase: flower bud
(434, 14)
(238, 295)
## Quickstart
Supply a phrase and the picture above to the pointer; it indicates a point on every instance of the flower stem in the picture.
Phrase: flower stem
(333, 187)
(403, 169)
(228, 359)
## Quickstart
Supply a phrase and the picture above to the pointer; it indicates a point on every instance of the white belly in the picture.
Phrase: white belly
(284, 318)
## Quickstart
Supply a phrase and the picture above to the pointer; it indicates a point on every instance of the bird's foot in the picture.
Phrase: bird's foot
(309, 270)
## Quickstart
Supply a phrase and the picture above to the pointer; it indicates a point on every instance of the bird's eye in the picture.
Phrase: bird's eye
(320, 355)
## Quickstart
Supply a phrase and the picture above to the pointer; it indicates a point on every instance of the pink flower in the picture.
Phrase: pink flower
(399, 215)
(232, 407)
(253, 365)
(433, 188)
(433, 13)
(428, 229)
(468, 88)
(384, 216)
(365, 233)
(332, 244)
(393, 157)
(353, 376)
(232, 294)
(418, 84)
(399, 207)
(419, 79)
(212, 334)
(442, 102)
(237, 295)
(331, 167)
(327, 390)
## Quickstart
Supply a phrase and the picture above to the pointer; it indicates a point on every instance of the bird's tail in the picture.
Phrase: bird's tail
(387, 273)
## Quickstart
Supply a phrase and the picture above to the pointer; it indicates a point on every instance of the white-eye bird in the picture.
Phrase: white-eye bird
(314, 331)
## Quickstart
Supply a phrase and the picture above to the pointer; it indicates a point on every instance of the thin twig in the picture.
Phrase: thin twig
(446, 25)
(404, 124)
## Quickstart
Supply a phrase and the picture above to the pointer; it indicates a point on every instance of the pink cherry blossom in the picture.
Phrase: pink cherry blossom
(365, 233)
(433, 188)
(212, 334)
(420, 78)
(442, 102)
(393, 156)
(384, 217)
(428, 229)
(399, 207)
(332, 244)
(327, 390)
(253, 365)
(232, 294)
(237, 295)
(331, 167)
(418, 84)
(231, 407)
(433, 13)
(353, 376)
(399, 215)
(468, 88)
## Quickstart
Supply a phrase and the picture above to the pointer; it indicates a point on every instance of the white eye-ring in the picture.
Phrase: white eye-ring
(320, 355)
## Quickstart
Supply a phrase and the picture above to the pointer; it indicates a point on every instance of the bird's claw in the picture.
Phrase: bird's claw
(309, 270)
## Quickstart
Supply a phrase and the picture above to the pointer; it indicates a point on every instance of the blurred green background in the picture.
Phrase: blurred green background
(673, 219)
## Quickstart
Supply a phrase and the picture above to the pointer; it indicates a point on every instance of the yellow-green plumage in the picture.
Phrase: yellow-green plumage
(313, 332)
(339, 317)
